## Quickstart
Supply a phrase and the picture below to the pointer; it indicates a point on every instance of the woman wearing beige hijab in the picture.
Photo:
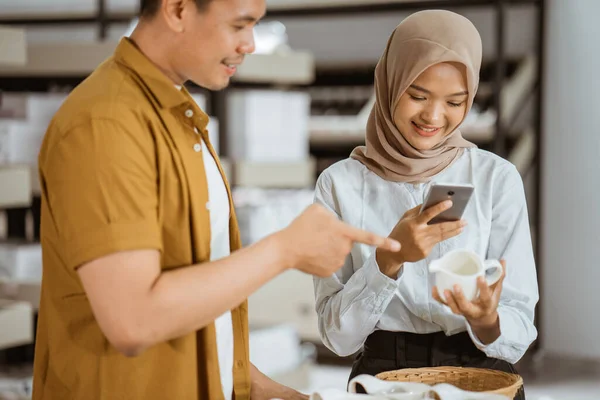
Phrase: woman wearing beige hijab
(384, 305)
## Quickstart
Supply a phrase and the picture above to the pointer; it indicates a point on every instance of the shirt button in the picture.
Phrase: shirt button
(208, 205)
(189, 113)
(197, 147)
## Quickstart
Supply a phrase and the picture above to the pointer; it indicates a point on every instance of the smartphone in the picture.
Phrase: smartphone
(459, 194)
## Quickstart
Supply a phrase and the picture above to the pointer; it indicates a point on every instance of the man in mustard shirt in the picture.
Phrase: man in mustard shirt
(144, 284)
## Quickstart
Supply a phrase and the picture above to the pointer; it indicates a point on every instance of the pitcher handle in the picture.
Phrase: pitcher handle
(493, 271)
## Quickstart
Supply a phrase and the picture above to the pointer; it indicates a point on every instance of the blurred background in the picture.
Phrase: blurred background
(297, 106)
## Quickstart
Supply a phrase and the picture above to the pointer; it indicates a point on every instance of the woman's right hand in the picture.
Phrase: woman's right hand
(417, 237)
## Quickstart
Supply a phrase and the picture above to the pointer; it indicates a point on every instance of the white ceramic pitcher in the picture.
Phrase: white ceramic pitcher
(463, 267)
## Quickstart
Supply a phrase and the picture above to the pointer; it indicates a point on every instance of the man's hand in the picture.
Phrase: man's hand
(318, 243)
(417, 237)
(481, 313)
(264, 388)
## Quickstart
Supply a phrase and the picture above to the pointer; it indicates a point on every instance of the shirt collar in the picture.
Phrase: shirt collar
(161, 87)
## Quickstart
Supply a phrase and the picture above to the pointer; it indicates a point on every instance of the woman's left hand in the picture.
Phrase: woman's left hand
(481, 312)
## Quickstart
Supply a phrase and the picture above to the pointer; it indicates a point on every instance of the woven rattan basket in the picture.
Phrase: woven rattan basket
(469, 379)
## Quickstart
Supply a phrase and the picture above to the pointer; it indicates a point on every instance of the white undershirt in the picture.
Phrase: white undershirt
(218, 205)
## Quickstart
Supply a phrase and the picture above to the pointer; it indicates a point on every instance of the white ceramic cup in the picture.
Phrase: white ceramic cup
(463, 267)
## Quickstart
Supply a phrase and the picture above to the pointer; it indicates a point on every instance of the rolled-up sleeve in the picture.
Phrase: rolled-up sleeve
(100, 183)
(510, 240)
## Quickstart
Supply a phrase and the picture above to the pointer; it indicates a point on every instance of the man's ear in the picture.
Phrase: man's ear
(172, 12)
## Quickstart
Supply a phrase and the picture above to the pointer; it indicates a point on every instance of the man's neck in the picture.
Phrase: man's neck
(155, 43)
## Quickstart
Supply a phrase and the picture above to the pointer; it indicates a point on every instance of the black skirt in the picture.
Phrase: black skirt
(387, 351)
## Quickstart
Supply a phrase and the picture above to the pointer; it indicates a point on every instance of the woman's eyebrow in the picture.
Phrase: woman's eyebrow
(422, 89)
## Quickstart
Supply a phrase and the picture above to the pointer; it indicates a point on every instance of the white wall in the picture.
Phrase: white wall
(571, 180)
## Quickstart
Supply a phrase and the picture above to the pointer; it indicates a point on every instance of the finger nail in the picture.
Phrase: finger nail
(448, 203)
(463, 223)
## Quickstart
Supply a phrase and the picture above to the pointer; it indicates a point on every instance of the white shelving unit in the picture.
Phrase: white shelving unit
(81, 58)
(16, 317)
(15, 181)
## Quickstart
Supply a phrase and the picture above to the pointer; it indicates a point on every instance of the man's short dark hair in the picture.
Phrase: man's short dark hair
(149, 8)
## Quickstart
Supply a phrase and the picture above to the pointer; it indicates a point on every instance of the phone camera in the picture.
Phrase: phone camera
(451, 193)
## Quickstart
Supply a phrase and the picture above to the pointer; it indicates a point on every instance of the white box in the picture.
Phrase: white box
(21, 261)
(15, 186)
(20, 141)
(262, 212)
(12, 46)
(41, 107)
(275, 349)
(16, 320)
(268, 125)
(297, 309)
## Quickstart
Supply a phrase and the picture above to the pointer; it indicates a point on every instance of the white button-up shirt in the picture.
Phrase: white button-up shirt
(359, 299)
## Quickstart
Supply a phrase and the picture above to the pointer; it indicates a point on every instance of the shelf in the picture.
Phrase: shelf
(476, 134)
(291, 68)
(58, 16)
(279, 5)
(276, 8)
(322, 139)
(81, 58)
(523, 154)
(516, 90)
(16, 186)
(12, 46)
(61, 59)
(273, 175)
(16, 320)
(295, 8)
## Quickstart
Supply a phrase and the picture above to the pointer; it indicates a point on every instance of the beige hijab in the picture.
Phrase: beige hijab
(423, 39)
